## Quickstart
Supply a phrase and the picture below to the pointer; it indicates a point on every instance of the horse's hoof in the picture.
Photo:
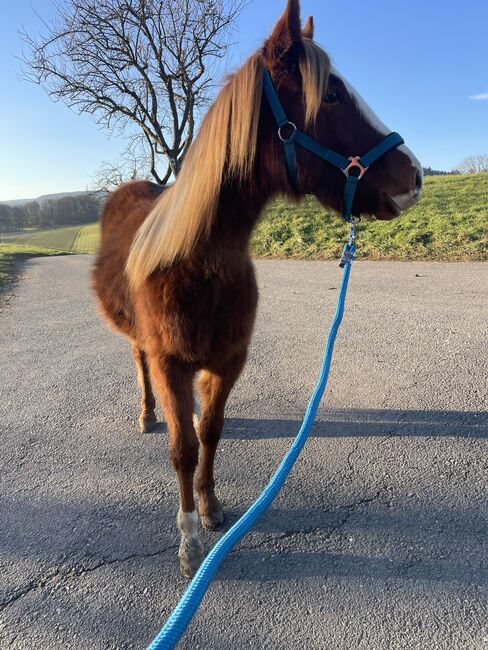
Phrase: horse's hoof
(188, 568)
(191, 558)
(212, 520)
(147, 423)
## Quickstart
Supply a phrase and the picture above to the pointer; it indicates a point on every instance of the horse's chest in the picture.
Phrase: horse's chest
(206, 317)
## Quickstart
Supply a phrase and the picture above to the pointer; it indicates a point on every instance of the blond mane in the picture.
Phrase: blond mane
(225, 147)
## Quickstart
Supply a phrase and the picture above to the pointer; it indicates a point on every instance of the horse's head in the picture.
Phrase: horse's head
(321, 103)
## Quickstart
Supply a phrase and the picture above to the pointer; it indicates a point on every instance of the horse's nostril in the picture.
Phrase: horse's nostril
(419, 179)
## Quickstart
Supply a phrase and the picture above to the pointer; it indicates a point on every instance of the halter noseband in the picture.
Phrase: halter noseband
(360, 163)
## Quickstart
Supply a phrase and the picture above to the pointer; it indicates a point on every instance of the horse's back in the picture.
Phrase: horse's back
(126, 209)
(123, 214)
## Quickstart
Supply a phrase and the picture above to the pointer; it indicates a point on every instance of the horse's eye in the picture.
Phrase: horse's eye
(331, 97)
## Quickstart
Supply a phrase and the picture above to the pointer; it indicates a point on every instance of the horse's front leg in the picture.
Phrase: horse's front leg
(214, 387)
(174, 381)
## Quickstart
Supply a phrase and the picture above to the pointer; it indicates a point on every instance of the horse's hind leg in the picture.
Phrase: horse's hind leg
(214, 391)
(174, 382)
(147, 419)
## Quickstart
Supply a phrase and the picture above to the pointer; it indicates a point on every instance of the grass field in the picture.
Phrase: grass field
(449, 223)
(67, 239)
(87, 239)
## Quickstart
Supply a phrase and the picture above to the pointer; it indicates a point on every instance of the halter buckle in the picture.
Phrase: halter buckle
(292, 134)
(355, 163)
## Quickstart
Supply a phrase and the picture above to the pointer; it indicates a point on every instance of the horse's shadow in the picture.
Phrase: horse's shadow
(357, 423)
(262, 566)
(366, 423)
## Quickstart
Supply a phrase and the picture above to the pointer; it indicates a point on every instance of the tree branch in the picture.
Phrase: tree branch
(135, 64)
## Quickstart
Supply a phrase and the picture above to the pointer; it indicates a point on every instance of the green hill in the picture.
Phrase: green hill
(449, 223)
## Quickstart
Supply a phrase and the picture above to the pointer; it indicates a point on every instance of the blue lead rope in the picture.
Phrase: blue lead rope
(185, 610)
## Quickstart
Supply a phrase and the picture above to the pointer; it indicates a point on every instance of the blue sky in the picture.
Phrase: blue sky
(417, 63)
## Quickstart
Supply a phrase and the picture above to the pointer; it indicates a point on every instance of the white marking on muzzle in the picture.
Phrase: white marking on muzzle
(405, 201)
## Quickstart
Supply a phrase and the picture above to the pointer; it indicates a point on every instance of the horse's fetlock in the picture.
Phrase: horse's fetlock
(191, 551)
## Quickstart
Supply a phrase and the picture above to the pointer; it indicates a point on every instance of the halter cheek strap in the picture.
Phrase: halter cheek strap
(290, 135)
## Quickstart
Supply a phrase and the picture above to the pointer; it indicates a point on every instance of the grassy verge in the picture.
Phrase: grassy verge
(11, 254)
(46, 241)
(6, 268)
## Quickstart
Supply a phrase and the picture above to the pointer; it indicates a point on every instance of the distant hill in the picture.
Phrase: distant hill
(61, 209)
(49, 197)
(449, 223)
(428, 171)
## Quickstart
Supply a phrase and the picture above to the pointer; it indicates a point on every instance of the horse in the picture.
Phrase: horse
(173, 272)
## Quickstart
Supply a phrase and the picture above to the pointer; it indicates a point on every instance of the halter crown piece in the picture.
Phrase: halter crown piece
(360, 164)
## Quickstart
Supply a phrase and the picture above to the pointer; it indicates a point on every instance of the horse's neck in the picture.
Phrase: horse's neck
(238, 210)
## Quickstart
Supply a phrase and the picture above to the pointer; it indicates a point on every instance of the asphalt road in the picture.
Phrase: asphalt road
(378, 540)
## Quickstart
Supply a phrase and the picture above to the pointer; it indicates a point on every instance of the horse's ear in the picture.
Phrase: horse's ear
(309, 29)
(282, 48)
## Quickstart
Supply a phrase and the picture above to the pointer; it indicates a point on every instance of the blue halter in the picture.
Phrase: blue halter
(359, 163)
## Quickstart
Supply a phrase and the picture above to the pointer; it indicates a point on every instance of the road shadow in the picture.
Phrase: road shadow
(411, 544)
(262, 566)
(366, 423)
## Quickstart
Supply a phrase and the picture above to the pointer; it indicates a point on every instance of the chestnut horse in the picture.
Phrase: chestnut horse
(174, 273)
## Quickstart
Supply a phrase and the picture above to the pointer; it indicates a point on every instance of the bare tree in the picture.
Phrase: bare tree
(135, 162)
(145, 63)
(473, 165)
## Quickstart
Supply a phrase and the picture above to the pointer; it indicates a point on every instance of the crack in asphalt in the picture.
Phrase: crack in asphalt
(69, 572)
(350, 510)
(349, 458)
(391, 434)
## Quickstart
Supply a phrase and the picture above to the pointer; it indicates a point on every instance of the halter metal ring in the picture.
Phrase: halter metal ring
(292, 134)
(355, 163)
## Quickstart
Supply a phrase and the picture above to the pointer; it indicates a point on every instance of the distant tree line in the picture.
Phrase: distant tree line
(428, 171)
(83, 208)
